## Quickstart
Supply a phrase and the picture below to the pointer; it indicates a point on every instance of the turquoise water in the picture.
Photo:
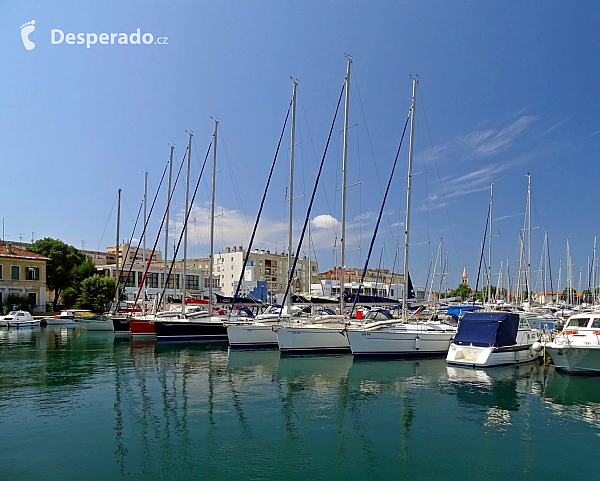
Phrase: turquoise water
(77, 405)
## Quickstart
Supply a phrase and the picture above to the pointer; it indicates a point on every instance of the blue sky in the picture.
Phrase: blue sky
(506, 88)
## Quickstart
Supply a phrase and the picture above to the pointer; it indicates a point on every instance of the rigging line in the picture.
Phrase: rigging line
(107, 221)
(370, 143)
(362, 277)
(185, 220)
(315, 159)
(439, 179)
(120, 272)
(237, 289)
(487, 221)
(236, 189)
(146, 225)
(312, 198)
(127, 206)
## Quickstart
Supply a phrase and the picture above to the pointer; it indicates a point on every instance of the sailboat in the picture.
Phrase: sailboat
(383, 336)
(323, 332)
(249, 332)
(195, 324)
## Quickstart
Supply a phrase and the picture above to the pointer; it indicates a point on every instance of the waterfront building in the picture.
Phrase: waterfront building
(23, 273)
(196, 282)
(269, 267)
(331, 288)
(127, 254)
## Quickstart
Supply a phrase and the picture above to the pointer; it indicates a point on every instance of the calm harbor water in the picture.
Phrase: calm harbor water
(80, 405)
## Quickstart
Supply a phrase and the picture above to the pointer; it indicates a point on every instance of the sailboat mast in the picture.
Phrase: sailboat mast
(545, 265)
(144, 236)
(291, 194)
(569, 273)
(520, 277)
(408, 192)
(344, 170)
(594, 273)
(117, 262)
(529, 239)
(185, 229)
(489, 296)
(167, 219)
(212, 220)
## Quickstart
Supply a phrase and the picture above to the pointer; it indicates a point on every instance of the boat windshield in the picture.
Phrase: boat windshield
(578, 322)
(523, 323)
(378, 315)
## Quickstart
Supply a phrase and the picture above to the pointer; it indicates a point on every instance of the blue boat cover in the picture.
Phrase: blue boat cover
(462, 309)
(487, 329)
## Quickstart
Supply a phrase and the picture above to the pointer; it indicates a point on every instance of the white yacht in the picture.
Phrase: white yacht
(577, 348)
(382, 335)
(67, 318)
(486, 339)
(18, 319)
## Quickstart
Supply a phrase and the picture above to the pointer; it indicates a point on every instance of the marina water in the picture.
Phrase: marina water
(82, 405)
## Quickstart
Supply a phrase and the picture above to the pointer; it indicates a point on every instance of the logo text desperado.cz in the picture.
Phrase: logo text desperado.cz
(57, 36)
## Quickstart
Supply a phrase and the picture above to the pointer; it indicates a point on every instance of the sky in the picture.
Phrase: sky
(506, 88)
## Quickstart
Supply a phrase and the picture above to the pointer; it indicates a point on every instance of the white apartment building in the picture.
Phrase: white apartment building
(270, 267)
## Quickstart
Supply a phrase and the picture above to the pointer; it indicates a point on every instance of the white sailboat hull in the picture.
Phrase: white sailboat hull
(56, 322)
(312, 339)
(398, 341)
(251, 335)
(97, 324)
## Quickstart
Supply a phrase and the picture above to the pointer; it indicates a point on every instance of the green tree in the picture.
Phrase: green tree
(82, 271)
(23, 303)
(586, 296)
(569, 293)
(463, 291)
(96, 293)
(69, 297)
(59, 271)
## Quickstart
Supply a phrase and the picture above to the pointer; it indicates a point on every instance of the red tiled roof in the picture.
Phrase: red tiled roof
(16, 252)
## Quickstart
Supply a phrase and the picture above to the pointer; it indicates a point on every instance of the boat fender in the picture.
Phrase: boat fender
(536, 346)
(417, 342)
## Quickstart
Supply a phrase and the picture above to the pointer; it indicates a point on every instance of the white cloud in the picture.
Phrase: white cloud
(554, 126)
(486, 142)
(324, 221)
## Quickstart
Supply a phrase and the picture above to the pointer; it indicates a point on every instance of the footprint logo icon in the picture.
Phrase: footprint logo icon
(26, 29)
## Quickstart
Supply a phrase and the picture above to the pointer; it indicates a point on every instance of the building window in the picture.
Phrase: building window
(128, 280)
(1, 272)
(173, 281)
(32, 298)
(14, 273)
(32, 274)
(192, 282)
(152, 279)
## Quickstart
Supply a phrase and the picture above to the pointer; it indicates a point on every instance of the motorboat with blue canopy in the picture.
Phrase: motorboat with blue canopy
(487, 329)
(486, 339)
